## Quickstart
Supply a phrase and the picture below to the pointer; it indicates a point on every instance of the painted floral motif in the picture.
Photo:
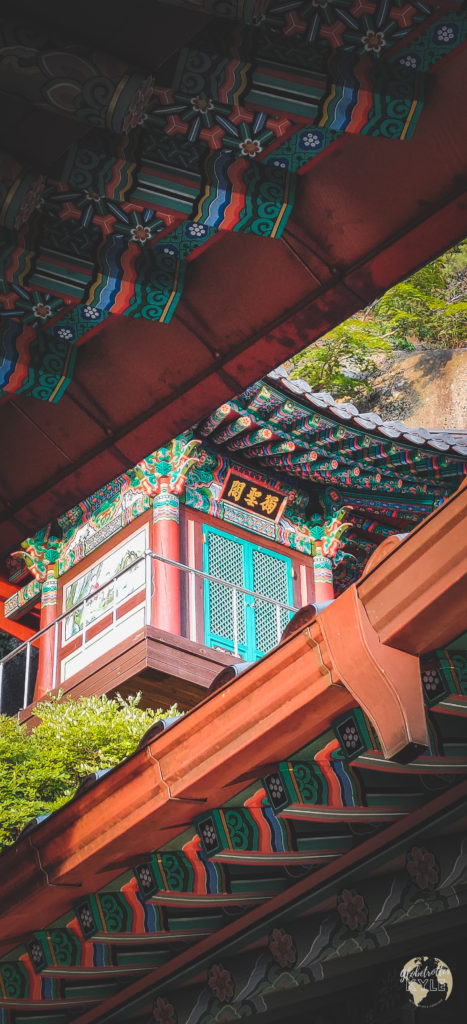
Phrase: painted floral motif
(350, 737)
(92, 196)
(353, 24)
(36, 954)
(410, 60)
(167, 250)
(202, 104)
(374, 41)
(140, 233)
(85, 917)
(195, 230)
(252, 132)
(32, 308)
(250, 147)
(88, 206)
(90, 313)
(279, 162)
(42, 310)
(446, 33)
(145, 877)
(282, 948)
(422, 868)
(64, 333)
(352, 909)
(198, 117)
(136, 111)
(30, 203)
(276, 788)
(311, 140)
(221, 983)
(163, 1012)
(209, 835)
(431, 681)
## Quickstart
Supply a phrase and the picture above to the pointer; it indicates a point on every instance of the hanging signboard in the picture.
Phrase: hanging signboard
(244, 492)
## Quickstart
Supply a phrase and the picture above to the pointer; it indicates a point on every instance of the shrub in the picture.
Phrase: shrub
(39, 771)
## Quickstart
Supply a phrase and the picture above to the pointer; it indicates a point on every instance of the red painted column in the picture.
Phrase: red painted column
(322, 571)
(47, 643)
(166, 542)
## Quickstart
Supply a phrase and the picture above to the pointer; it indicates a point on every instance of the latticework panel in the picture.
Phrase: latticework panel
(225, 558)
(271, 576)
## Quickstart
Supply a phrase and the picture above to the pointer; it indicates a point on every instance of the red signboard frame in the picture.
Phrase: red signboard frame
(265, 489)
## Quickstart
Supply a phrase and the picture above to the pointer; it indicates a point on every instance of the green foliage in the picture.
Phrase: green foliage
(343, 362)
(430, 306)
(429, 309)
(40, 771)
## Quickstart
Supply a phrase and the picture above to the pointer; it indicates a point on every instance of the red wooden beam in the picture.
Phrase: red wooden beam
(16, 629)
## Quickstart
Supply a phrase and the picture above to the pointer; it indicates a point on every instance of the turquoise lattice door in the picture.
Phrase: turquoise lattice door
(265, 572)
(271, 575)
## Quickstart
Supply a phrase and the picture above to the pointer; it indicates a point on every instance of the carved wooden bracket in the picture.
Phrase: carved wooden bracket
(385, 682)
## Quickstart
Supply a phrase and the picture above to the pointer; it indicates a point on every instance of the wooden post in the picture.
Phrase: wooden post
(47, 645)
(166, 542)
(322, 571)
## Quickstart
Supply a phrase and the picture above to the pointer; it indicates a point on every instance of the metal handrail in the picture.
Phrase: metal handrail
(218, 579)
(147, 556)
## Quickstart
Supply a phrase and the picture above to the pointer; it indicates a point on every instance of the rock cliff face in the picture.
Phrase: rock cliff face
(426, 388)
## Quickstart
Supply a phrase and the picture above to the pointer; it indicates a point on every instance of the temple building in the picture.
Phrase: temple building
(190, 196)
(199, 556)
(293, 574)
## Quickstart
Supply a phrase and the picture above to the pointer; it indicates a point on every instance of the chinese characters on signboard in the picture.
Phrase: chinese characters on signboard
(254, 497)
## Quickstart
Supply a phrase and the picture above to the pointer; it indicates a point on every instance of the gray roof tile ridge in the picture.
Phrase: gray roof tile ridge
(322, 401)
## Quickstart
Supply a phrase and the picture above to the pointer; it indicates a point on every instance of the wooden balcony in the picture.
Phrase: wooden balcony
(112, 647)
(166, 668)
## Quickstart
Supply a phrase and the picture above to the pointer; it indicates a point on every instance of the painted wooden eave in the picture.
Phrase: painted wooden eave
(270, 711)
(369, 212)
(346, 414)
(307, 894)
(238, 733)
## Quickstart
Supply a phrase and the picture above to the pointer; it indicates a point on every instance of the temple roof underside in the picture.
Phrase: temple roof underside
(384, 476)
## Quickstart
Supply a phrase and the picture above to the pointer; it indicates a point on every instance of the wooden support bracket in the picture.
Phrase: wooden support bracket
(385, 682)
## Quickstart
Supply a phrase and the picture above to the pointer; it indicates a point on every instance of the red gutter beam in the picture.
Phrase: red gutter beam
(146, 801)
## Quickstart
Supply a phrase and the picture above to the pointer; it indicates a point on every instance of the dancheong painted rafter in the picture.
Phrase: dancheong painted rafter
(167, 159)
(385, 476)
